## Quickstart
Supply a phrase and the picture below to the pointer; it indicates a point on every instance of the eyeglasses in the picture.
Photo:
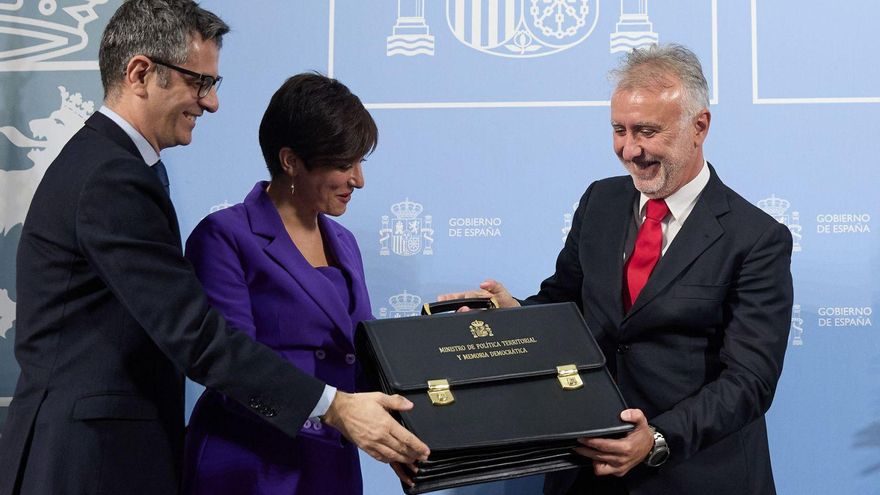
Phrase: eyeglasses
(206, 82)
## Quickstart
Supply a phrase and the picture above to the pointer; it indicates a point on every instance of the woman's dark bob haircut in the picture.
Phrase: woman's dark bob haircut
(320, 120)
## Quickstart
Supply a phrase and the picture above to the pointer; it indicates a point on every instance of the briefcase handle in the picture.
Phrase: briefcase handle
(454, 305)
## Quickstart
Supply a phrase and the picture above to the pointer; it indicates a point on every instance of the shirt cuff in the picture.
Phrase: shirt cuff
(324, 402)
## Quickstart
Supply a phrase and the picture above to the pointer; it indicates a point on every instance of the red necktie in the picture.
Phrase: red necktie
(649, 245)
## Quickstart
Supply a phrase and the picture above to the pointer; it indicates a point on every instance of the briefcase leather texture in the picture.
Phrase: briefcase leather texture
(499, 393)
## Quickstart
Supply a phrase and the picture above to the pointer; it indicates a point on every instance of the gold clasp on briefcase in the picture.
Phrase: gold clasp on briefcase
(568, 377)
(438, 391)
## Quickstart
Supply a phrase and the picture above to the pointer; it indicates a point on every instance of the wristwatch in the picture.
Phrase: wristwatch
(658, 455)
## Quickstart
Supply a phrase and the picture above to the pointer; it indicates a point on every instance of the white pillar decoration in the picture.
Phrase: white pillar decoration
(411, 35)
(634, 29)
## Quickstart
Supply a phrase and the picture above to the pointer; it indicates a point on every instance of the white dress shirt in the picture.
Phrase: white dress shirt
(681, 204)
(144, 147)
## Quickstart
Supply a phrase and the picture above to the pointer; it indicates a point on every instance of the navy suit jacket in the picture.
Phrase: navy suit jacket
(701, 350)
(110, 318)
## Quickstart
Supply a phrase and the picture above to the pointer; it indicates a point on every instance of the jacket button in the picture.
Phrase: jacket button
(270, 412)
(255, 403)
(307, 424)
(320, 354)
(349, 358)
(622, 348)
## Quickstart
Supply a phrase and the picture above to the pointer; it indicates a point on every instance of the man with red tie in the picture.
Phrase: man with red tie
(686, 287)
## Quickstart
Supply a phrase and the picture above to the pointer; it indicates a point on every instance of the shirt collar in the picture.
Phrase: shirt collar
(682, 200)
(144, 147)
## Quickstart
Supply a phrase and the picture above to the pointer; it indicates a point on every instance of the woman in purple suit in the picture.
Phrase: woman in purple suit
(280, 269)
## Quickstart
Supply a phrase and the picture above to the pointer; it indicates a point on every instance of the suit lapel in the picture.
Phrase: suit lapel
(605, 245)
(266, 222)
(615, 257)
(347, 260)
(105, 126)
(700, 230)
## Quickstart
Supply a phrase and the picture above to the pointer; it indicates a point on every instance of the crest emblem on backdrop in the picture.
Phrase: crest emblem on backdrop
(220, 206)
(797, 326)
(408, 232)
(42, 32)
(50, 134)
(521, 28)
(17, 187)
(402, 305)
(778, 209)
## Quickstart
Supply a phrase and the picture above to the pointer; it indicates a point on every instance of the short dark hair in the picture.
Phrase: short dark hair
(154, 28)
(320, 120)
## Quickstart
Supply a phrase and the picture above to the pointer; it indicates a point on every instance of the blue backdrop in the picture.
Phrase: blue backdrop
(493, 119)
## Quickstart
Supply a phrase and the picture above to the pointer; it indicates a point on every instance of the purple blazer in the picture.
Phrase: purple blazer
(257, 278)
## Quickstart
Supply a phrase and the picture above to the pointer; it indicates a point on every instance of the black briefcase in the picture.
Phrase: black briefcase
(498, 394)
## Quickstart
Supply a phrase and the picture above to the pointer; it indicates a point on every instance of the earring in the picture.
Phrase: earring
(291, 189)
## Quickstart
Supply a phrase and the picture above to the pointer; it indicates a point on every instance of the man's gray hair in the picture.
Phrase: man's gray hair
(160, 29)
(651, 68)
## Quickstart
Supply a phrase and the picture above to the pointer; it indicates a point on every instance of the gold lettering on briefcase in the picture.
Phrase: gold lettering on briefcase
(480, 328)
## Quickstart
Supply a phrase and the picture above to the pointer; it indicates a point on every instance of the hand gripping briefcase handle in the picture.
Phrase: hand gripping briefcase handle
(455, 304)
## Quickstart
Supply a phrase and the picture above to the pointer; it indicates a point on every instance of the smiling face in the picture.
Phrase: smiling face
(328, 189)
(173, 109)
(660, 149)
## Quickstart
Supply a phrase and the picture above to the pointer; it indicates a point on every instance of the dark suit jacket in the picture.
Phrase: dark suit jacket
(110, 318)
(701, 350)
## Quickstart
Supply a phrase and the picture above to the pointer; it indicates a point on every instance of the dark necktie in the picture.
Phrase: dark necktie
(649, 245)
(159, 168)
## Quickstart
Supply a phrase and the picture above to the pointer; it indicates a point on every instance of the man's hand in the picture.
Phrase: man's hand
(489, 288)
(364, 420)
(405, 472)
(617, 457)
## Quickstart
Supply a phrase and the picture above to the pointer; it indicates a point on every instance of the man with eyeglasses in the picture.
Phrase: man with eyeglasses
(110, 314)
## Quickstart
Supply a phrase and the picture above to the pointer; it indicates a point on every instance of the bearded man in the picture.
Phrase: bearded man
(687, 288)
